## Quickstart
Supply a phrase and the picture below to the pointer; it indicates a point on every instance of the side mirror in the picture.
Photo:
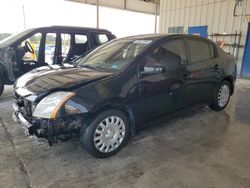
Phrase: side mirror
(151, 70)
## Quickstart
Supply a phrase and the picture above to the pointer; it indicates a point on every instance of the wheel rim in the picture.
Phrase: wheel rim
(109, 134)
(223, 95)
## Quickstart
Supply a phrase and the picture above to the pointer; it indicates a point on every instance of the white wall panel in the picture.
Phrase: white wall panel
(192, 13)
(198, 12)
(216, 14)
(223, 14)
(181, 13)
(187, 13)
(203, 12)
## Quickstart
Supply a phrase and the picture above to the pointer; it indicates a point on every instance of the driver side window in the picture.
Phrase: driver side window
(35, 44)
(170, 55)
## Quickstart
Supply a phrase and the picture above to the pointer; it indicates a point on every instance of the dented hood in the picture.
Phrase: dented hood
(47, 78)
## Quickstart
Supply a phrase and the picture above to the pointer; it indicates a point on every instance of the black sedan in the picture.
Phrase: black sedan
(104, 97)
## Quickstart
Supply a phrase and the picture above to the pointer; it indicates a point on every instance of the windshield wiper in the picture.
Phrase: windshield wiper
(87, 66)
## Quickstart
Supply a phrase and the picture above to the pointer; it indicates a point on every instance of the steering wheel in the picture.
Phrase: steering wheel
(28, 47)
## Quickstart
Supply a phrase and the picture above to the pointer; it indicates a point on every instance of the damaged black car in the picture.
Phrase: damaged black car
(44, 46)
(110, 93)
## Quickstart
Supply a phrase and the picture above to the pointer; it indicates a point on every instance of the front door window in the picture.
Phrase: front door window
(35, 44)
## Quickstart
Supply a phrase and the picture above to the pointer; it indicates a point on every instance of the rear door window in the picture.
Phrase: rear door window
(199, 50)
(81, 39)
(74, 45)
(50, 45)
(99, 38)
(65, 42)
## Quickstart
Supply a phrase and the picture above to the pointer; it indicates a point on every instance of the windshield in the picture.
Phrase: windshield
(11, 39)
(114, 56)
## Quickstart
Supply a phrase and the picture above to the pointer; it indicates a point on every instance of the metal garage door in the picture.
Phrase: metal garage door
(245, 71)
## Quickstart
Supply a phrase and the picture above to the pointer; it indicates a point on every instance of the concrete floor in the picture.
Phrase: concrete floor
(205, 149)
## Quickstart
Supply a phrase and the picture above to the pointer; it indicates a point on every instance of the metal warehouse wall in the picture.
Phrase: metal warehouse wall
(218, 15)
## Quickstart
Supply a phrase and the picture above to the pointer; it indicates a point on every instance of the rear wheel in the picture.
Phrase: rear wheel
(221, 96)
(1, 87)
(106, 134)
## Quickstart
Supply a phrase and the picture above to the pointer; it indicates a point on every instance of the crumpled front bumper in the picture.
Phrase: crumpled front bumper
(18, 117)
(39, 128)
(52, 130)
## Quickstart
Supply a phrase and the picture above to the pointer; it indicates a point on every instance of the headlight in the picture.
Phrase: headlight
(49, 106)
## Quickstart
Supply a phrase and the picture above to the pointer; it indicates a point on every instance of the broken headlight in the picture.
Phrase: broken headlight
(49, 106)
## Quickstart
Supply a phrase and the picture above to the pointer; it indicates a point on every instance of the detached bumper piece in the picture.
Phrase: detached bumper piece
(53, 131)
(18, 117)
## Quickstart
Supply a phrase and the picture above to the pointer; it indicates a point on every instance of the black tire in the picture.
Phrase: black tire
(215, 98)
(88, 132)
(1, 87)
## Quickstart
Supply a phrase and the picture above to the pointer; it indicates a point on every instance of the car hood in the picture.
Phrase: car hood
(47, 78)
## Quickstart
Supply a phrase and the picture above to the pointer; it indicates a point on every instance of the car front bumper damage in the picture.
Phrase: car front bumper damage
(52, 130)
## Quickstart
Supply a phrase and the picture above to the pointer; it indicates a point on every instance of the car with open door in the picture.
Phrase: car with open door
(44, 46)
(111, 92)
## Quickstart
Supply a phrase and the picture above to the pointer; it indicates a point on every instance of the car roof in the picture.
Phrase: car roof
(155, 37)
(12, 39)
(61, 27)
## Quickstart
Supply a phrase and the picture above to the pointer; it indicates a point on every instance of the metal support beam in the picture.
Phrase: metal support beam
(142, 6)
(97, 14)
(24, 17)
(156, 14)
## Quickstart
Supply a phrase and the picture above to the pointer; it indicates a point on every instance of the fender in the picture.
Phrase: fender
(114, 103)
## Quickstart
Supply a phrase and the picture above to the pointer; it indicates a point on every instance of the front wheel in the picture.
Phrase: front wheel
(221, 96)
(1, 87)
(106, 134)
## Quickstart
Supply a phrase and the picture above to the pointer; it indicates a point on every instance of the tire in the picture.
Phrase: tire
(1, 87)
(101, 137)
(221, 96)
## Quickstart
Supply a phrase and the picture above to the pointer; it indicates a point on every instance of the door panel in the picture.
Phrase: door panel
(159, 92)
(204, 70)
(202, 80)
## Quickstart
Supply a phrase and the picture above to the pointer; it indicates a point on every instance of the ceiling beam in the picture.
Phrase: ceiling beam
(142, 6)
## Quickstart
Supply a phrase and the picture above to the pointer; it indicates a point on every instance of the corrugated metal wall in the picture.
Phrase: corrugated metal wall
(216, 14)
